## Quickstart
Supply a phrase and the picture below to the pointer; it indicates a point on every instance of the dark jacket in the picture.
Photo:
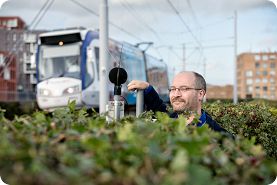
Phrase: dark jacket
(155, 103)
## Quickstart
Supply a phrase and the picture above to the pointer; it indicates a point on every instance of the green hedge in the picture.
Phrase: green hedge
(72, 147)
(15, 108)
(249, 120)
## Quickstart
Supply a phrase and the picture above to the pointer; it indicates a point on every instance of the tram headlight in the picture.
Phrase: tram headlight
(44, 92)
(72, 90)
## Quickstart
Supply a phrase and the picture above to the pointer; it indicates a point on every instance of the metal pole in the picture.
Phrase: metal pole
(116, 107)
(204, 74)
(184, 57)
(145, 65)
(235, 95)
(103, 67)
(139, 102)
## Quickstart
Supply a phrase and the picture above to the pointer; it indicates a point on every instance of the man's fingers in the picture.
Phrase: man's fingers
(136, 84)
(133, 85)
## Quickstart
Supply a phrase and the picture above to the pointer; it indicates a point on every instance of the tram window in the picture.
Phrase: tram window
(135, 69)
(65, 39)
(96, 51)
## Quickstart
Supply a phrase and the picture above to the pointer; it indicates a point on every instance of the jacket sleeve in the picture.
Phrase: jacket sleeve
(152, 100)
(216, 127)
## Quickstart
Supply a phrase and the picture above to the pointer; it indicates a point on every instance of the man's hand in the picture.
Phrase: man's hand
(136, 84)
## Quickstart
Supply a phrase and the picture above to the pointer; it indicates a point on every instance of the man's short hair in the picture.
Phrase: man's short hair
(200, 82)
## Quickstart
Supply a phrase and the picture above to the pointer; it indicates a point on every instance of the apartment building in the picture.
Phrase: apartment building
(217, 92)
(7, 77)
(17, 41)
(12, 22)
(256, 75)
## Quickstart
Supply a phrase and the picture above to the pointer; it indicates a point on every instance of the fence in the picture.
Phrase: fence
(17, 96)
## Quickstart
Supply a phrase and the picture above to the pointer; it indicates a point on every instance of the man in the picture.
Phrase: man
(186, 95)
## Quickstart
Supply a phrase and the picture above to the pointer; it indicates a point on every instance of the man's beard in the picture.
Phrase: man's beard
(181, 108)
(185, 107)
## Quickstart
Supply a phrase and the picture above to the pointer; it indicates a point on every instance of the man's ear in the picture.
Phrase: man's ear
(201, 94)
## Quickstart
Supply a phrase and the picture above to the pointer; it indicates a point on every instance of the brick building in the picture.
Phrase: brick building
(256, 75)
(7, 77)
(12, 22)
(16, 41)
(217, 92)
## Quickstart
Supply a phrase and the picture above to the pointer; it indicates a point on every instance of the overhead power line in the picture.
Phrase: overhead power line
(205, 47)
(44, 12)
(218, 46)
(193, 13)
(136, 15)
(111, 23)
(217, 22)
(184, 23)
(210, 40)
(211, 24)
(39, 12)
(171, 49)
(38, 17)
(85, 8)
(190, 55)
(187, 27)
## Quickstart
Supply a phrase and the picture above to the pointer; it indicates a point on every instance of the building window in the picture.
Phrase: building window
(264, 88)
(14, 37)
(249, 89)
(265, 80)
(257, 57)
(272, 73)
(272, 57)
(249, 81)
(265, 57)
(2, 60)
(258, 73)
(264, 65)
(272, 65)
(272, 88)
(258, 80)
(272, 80)
(257, 88)
(249, 73)
(7, 73)
(12, 23)
(265, 73)
(257, 64)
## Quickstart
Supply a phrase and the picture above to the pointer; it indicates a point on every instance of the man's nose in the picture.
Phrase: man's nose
(177, 93)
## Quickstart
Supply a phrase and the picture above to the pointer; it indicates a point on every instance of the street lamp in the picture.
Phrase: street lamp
(148, 44)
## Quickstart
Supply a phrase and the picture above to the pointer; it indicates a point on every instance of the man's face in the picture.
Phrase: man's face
(184, 96)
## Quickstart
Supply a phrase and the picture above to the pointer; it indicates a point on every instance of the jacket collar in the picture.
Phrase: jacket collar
(202, 119)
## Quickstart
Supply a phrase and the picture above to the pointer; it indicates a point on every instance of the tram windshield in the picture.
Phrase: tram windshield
(59, 62)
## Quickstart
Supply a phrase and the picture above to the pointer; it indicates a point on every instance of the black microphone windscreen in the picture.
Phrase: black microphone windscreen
(118, 76)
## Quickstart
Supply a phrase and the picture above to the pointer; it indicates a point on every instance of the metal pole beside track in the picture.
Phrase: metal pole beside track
(139, 102)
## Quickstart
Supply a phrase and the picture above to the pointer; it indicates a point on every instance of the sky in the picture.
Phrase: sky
(201, 33)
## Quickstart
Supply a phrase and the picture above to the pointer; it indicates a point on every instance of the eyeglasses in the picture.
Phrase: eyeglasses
(181, 89)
